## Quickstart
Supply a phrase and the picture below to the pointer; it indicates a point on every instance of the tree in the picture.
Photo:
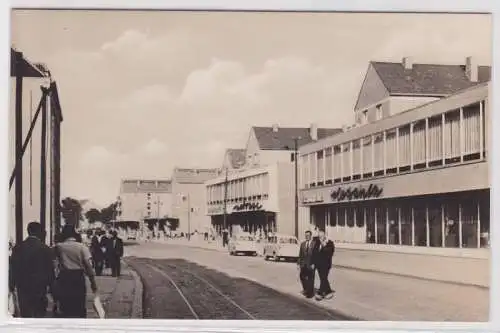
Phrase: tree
(109, 213)
(93, 215)
(71, 210)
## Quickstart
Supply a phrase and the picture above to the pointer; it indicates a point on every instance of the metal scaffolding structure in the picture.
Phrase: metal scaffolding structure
(51, 117)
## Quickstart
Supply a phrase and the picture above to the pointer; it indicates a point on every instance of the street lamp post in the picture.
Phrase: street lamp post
(187, 198)
(225, 200)
(296, 157)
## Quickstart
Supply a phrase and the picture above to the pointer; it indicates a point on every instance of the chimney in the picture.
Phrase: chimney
(408, 63)
(275, 128)
(313, 132)
(471, 69)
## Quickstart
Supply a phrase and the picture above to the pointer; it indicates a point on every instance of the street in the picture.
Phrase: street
(187, 282)
(179, 289)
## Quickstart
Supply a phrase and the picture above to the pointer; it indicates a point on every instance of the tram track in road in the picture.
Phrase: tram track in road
(255, 299)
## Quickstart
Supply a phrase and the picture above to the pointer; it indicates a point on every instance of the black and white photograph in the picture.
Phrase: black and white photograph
(249, 165)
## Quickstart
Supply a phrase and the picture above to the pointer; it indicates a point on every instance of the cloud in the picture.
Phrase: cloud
(154, 147)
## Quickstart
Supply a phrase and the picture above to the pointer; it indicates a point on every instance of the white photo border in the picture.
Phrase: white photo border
(111, 325)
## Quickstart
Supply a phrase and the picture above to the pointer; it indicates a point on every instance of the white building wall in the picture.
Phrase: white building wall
(398, 104)
(285, 183)
(199, 221)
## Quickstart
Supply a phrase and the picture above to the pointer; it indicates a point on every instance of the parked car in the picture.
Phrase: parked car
(242, 244)
(260, 243)
(282, 247)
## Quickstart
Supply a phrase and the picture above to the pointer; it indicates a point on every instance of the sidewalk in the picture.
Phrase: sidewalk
(460, 271)
(121, 297)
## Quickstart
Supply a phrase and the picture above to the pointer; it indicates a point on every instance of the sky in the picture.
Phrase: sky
(144, 92)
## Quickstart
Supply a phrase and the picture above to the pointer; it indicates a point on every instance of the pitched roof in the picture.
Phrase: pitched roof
(427, 79)
(283, 138)
(193, 176)
(236, 157)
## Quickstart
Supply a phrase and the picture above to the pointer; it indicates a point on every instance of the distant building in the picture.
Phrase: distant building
(35, 192)
(145, 199)
(188, 198)
(261, 194)
(415, 174)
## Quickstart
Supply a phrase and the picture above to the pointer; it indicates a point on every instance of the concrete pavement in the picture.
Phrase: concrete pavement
(462, 271)
(366, 295)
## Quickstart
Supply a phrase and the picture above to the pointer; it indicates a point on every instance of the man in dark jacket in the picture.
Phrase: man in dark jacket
(323, 262)
(32, 273)
(306, 266)
(115, 253)
(98, 251)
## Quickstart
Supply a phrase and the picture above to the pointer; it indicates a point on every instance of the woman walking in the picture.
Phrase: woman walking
(74, 263)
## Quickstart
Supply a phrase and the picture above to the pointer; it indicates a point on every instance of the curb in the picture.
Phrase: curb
(421, 278)
(137, 311)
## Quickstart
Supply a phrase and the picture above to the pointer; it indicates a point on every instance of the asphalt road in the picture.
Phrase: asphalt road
(365, 295)
(180, 289)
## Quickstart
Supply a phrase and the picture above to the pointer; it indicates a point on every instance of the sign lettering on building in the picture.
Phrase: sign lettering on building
(247, 206)
(314, 198)
(356, 193)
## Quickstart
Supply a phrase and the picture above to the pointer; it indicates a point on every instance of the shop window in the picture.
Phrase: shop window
(319, 217)
(451, 217)
(370, 224)
(393, 220)
(452, 136)
(367, 157)
(472, 132)
(356, 159)
(404, 148)
(469, 219)
(419, 145)
(381, 223)
(333, 217)
(484, 222)
(435, 224)
(420, 224)
(341, 217)
(435, 137)
(351, 217)
(360, 217)
(337, 164)
(391, 152)
(405, 214)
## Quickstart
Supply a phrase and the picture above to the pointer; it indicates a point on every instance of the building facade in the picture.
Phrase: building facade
(35, 119)
(145, 199)
(188, 198)
(410, 178)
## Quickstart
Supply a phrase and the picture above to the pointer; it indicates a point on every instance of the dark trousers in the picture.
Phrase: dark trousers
(324, 284)
(116, 266)
(73, 294)
(98, 265)
(307, 280)
(32, 304)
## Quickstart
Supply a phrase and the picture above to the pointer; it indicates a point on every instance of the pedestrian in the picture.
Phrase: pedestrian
(115, 254)
(225, 237)
(74, 264)
(307, 253)
(323, 263)
(97, 250)
(32, 273)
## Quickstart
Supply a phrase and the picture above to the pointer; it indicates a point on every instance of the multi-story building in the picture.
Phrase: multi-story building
(260, 196)
(406, 177)
(188, 198)
(145, 199)
(34, 150)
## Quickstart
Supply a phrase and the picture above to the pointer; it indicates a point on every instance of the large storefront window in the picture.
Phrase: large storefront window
(435, 224)
(360, 217)
(451, 217)
(370, 224)
(393, 225)
(351, 216)
(381, 223)
(406, 222)
(420, 223)
(469, 218)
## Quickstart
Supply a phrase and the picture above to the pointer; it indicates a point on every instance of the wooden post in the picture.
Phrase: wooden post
(19, 146)
(43, 165)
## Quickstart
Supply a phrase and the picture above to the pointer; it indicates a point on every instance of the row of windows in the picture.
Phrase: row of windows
(456, 136)
(456, 223)
(239, 190)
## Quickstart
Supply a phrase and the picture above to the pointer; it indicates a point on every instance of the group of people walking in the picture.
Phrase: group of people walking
(37, 270)
(106, 251)
(316, 254)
